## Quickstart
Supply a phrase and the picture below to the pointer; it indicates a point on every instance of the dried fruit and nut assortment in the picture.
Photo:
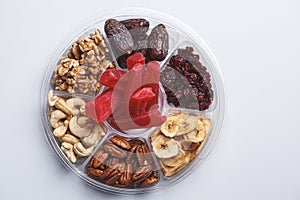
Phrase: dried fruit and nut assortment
(129, 107)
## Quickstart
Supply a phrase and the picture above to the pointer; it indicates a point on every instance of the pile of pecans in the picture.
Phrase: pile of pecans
(125, 163)
(87, 59)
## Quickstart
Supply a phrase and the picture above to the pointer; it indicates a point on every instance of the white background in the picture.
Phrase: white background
(257, 45)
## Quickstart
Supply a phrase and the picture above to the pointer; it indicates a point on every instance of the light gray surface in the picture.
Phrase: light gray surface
(257, 45)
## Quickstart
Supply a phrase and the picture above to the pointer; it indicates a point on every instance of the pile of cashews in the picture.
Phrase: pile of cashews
(78, 134)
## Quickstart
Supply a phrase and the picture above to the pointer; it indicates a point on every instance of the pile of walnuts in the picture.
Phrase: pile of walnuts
(87, 59)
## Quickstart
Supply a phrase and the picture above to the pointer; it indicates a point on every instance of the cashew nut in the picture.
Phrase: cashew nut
(52, 98)
(94, 137)
(68, 149)
(77, 105)
(83, 121)
(80, 127)
(59, 103)
(81, 151)
(55, 118)
(70, 138)
(82, 110)
(63, 106)
(61, 130)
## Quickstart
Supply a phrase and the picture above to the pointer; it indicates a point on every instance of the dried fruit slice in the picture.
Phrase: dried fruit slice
(204, 124)
(119, 36)
(155, 134)
(179, 124)
(100, 108)
(179, 159)
(148, 119)
(192, 154)
(136, 27)
(187, 145)
(171, 126)
(134, 59)
(165, 147)
(110, 77)
(187, 124)
(170, 171)
(158, 43)
(195, 136)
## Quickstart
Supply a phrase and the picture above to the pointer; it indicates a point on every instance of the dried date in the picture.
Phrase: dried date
(137, 27)
(122, 60)
(158, 43)
(119, 36)
(142, 46)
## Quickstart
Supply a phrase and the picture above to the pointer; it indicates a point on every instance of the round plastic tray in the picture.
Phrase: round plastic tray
(180, 37)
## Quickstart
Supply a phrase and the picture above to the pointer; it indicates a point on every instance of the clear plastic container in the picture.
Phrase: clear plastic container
(180, 36)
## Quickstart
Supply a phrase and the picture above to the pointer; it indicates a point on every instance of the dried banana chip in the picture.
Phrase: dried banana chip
(165, 147)
(171, 126)
(187, 124)
(176, 160)
(170, 171)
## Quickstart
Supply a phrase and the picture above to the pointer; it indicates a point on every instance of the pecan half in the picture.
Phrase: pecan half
(113, 178)
(147, 154)
(148, 181)
(107, 172)
(126, 175)
(142, 173)
(120, 142)
(131, 152)
(112, 161)
(136, 141)
(97, 173)
(140, 156)
(114, 151)
(143, 155)
(99, 159)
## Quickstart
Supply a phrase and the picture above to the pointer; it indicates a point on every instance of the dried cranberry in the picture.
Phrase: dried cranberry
(186, 67)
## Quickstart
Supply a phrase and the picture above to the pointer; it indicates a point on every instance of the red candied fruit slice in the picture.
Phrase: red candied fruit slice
(146, 120)
(144, 94)
(100, 108)
(135, 81)
(151, 79)
(110, 77)
(139, 101)
(152, 73)
(134, 59)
